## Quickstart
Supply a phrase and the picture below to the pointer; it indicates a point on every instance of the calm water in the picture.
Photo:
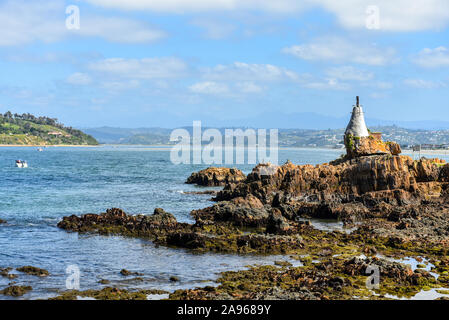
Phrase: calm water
(65, 181)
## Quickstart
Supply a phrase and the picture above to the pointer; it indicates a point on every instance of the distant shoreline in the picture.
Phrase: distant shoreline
(47, 146)
(404, 151)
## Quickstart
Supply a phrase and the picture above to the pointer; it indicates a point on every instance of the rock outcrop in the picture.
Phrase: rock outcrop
(214, 176)
(365, 146)
(16, 291)
(35, 271)
(163, 229)
(393, 188)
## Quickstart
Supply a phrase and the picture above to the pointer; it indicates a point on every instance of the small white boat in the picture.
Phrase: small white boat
(40, 149)
(21, 164)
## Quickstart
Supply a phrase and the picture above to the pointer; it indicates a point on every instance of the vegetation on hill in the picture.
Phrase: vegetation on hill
(26, 129)
(330, 138)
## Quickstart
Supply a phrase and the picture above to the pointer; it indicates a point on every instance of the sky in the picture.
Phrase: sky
(165, 63)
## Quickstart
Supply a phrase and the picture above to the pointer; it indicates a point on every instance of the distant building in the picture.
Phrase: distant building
(58, 134)
(55, 133)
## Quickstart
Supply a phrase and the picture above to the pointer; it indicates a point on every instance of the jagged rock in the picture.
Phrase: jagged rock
(248, 211)
(16, 291)
(390, 269)
(394, 148)
(365, 146)
(127, 273)
(33, 271)
(214, 176)
(379, 177)
(159, 222)
(4, 272)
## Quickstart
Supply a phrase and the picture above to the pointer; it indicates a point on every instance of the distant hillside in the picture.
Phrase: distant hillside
(287, 137)
(26, 129)
(130, 136)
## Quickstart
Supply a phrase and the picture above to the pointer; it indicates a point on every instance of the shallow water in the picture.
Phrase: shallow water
(66, 181)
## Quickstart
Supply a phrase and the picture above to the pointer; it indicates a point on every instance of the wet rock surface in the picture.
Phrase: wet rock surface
(127, 273)
(163, 229)
(16, 291)
(214, 176)
(395, 206)
(366, 146)
(108, 293)
(33, 271)
(338, 278)
(5, 272)
(402, 197)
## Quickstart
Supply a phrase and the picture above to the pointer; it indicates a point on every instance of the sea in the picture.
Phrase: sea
(63, 181)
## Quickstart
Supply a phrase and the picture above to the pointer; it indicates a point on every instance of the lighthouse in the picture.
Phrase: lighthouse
(357, 126)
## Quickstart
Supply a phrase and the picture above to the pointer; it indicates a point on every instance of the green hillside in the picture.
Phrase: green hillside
(27, 129)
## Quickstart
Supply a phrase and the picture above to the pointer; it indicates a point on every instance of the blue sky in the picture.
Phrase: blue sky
(144, 63)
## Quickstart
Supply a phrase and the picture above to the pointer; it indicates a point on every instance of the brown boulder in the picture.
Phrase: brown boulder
(365, 146)
(214, 176)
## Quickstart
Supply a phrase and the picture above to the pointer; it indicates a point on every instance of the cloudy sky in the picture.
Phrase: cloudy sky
(143, 63)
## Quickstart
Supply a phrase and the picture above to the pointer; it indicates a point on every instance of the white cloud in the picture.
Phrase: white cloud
(383, 85)
(326, 84)
(432, 58)
(181, 6)
(378, 95)
(209, 87)
(146, 68)
(23, 22)
(214, 29)
(341, 50)
(398, 15)
(79, 78)
(26, 21)
(239, 71)
(117, 86)
(349, 73)
(424, 84)
(118, 30)
(248, 87)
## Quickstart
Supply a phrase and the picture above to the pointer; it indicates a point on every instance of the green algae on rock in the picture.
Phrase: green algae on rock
(126, 273)
(16, 291)
(339, 278)
(5, 272)
(108, 293)
(33, 271)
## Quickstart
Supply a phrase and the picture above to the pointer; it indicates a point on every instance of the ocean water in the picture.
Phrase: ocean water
(66, 181)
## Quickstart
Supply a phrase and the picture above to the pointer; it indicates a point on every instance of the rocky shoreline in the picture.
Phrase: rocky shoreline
(393, 207)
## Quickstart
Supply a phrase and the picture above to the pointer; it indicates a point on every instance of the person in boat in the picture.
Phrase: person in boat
(21, 164)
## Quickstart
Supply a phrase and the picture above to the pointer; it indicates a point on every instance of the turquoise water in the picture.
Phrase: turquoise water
(66, 181)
